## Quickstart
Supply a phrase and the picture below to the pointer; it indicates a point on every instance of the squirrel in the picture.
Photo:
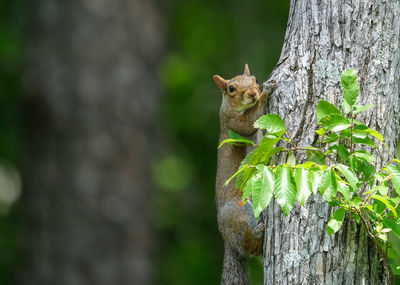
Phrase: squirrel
(242, 104)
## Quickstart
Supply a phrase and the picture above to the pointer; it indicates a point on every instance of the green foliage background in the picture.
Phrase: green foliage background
(204, 38)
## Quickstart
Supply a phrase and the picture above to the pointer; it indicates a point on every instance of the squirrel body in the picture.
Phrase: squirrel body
(242, 105)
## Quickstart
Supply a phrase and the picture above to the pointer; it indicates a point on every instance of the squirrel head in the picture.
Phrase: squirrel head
(239, 93)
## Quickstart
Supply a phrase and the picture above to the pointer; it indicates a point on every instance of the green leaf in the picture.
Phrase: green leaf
(331, 138)
(260, 155)
(285, 188)
(272, 123)
(386, 202)
(343, 152)
(346, 107)
(375, 134)
(394, 171)
(325, 108)
(303, 184)
(366, 141)
(236, 139)
(316, 156)
(291, 160)
(349, 174)
(261, 187)
(234, 135)
(345, 134)
(350, 86)
(344, 189)
(336, 221)
(356, 202)
(315, 176)
(362, 166)
(359, 109)
(321, 131)
(328, 186)
(237, 142)
(240, 170)
(365, 155)
(391, 224)
(335, 122)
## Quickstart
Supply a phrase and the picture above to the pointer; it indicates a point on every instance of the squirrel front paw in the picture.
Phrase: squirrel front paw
(259, 231)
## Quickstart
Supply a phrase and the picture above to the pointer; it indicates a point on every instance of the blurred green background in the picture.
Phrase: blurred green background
(204, 38)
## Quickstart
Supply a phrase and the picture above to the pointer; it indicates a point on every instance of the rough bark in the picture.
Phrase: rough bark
(91, 100)
(322, 39)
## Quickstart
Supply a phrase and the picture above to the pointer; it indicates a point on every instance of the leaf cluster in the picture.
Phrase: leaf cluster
(342, 168)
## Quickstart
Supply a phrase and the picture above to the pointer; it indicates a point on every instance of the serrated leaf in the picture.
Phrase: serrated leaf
(272, 123)
(303, 185)
(359, 109)
(325, 108)
(261, 187)
(386, 202)
(335, 122)
(315, 177)
(336, 221)
(285, 188)
(394, 171)
(261, 154)
(328, 186)
(351, 177)
(350, 86)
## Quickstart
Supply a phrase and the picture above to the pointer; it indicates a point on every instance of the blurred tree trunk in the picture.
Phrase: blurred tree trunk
(322, 39)
(89, 128)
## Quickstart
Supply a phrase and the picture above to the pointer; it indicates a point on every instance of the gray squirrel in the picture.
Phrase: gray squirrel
(242, 105)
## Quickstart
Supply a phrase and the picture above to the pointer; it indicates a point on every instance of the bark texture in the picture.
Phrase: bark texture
(92, 93)
(322, 39)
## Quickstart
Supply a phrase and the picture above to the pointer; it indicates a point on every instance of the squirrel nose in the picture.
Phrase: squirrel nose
(252, 93)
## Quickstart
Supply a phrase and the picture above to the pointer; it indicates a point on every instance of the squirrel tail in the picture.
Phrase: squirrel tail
(234, 271)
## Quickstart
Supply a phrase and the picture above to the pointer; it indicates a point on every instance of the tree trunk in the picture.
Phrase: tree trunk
(322, 39)
(90, 111)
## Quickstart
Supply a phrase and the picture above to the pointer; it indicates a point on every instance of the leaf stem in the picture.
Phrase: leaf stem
(290, 138)
(351, 129)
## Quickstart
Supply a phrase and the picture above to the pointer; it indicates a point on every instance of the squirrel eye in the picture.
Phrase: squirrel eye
(231, 88)
(256, 81)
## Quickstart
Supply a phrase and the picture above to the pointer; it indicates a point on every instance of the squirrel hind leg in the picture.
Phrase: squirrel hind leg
(234, 271)
(240, 230)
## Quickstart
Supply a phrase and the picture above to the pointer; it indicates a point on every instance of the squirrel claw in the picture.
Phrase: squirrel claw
(259, 231)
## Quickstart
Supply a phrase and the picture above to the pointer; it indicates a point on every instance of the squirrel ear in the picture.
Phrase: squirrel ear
(246, 70)
(221, 83)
